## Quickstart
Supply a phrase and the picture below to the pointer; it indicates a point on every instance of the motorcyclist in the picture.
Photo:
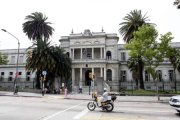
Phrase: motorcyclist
(103, 98)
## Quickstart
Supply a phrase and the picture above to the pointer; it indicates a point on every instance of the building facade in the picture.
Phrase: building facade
(100, 54)
(97, 53)
(25, 79)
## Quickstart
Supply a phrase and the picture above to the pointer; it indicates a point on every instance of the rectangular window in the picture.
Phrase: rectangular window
(123, 56)
(2, 73)
(171, 75)
(21, 59)
(12, 61)
(28, 73)
(159, 72)
(147, 76)
(123, 75)
(10, 73)
(20, 73)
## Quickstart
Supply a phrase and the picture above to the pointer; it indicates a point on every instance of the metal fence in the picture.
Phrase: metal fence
(150, 85)
(21, 84)
(115, 85)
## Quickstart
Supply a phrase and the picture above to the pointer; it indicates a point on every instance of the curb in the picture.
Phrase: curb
(161, 101)
(88, 99)
(22, 96)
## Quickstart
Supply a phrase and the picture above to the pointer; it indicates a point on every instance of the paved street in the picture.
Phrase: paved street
(29, 106)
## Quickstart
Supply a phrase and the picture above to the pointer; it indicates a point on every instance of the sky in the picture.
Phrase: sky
(79, 15)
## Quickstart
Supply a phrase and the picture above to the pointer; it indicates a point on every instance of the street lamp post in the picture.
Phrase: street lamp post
(17, 73)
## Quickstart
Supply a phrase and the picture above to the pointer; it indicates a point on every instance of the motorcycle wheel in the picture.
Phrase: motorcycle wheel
(109, 107)
(91, 106)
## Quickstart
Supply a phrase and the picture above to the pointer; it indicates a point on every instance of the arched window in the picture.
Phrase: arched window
(109, 74)
(108, 55)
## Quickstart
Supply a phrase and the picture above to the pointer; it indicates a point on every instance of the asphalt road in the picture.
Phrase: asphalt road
(57, 108)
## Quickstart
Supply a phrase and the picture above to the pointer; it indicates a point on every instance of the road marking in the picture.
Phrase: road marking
(55, 114)
(110, 118)
(145, 111)
(81, 114)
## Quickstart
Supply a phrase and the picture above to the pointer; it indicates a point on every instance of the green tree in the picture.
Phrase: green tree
(155, 54)
(51, 59)
(3, 59)
(36, 27)
(132, 22)
(39, 30)
(174, 57)
(138, 46)
(145, 47)
(43, 55)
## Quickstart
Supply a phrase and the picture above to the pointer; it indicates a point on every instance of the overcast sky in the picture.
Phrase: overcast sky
(83, 14)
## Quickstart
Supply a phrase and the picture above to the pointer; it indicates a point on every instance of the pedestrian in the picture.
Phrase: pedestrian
(80, 89)
(65, 92)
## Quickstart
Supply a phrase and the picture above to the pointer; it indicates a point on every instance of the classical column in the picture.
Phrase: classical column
(73, 77)
(92, 53)
(73, 54)
(104, 53)
(81, 53)
(70, 54)
(80, 81)
(101, 52)
(101, 75)
(104, 73)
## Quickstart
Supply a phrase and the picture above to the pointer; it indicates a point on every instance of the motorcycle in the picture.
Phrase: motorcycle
(106, 105)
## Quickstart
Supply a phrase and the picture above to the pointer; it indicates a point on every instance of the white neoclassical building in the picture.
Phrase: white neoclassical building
(92, 52)
(100, 54)
(25, 78)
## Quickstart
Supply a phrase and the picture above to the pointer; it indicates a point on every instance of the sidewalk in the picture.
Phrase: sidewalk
(20, 94)
(122, 98)
(88, 97)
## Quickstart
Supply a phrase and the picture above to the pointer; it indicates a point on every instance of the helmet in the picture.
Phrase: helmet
(105, 89)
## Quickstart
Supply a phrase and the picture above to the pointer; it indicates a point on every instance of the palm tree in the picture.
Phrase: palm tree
(36, 27)
(177, 3)
(133, 65)
(132, 22)
(44, 56)
(63, 67)
(40, 59)
(51, 59)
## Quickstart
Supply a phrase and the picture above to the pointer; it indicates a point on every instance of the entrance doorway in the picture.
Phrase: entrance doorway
(87, 79)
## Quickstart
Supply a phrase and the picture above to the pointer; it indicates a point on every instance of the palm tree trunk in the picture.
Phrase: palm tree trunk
(38, 84)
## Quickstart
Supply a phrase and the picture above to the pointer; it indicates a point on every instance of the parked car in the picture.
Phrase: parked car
(175, 102)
